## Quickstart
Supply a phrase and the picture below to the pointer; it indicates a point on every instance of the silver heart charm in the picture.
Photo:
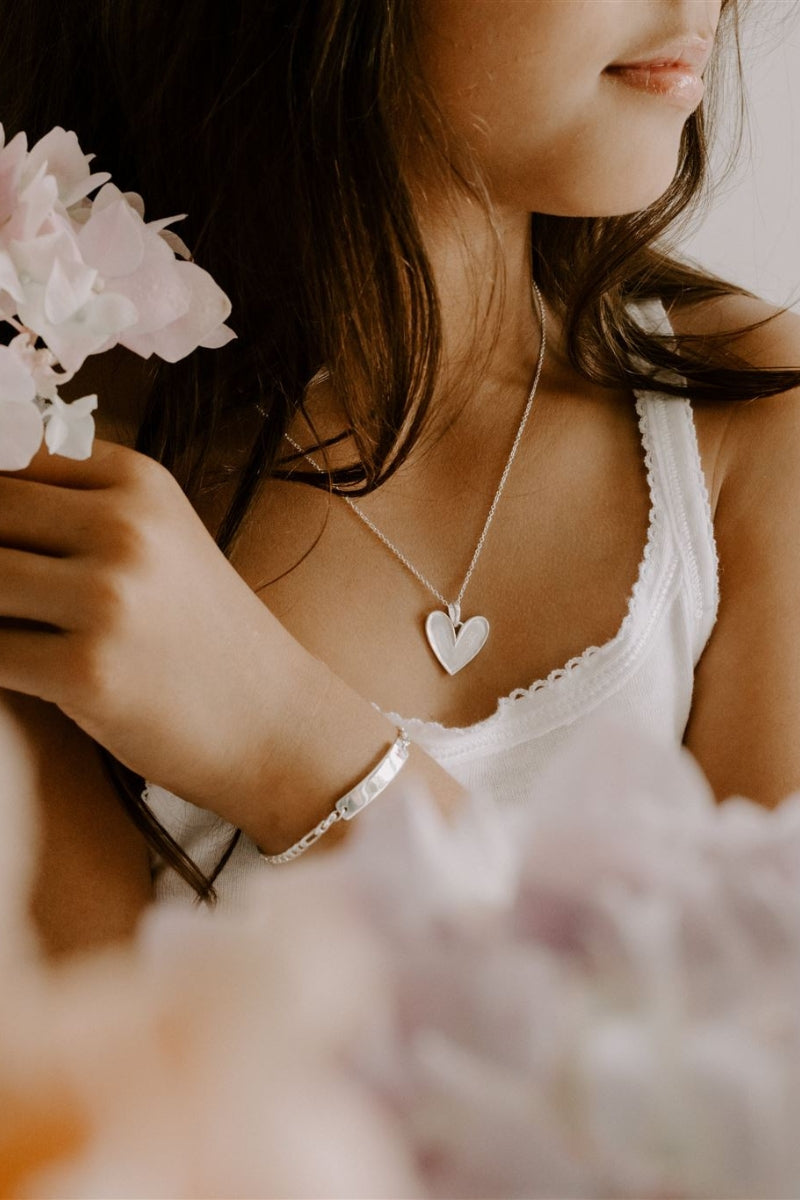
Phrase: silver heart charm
(455, 643)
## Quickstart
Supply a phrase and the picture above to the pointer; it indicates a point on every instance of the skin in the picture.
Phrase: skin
(254, 701)
(522, 84)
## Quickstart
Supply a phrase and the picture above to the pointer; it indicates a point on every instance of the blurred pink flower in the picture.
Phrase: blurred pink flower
(232, 1081)
(626, 1022)
(210, 1058)
(85, 275)
(595, 996)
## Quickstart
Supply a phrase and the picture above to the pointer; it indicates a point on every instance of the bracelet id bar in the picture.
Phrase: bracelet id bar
(354, 801)
(365, 792)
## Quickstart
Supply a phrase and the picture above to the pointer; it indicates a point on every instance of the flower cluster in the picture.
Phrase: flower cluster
(596, 996)
(77, 277)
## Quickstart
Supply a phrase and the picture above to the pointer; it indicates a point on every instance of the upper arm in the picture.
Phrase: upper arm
(92, 874)
(744, 725)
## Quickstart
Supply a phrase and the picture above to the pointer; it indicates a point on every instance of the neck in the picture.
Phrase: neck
(490, 321)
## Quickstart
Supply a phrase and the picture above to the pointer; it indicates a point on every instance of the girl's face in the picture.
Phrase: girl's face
(527, 84)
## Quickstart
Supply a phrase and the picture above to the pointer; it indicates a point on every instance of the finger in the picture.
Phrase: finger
(43, 518)
(109, 464)
(32, 661)
(36, 587)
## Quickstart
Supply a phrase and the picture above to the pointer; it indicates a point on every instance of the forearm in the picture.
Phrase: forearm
(316, 738)
(159, 650)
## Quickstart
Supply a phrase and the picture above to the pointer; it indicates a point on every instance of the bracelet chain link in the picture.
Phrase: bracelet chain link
(353, 801)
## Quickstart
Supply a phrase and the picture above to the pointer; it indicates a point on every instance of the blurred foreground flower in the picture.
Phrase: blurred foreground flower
(208, 1060)
(596, 996)
(77, 277)
(626, 1022)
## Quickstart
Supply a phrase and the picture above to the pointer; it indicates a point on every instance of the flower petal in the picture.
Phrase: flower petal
(34, 257)
(136, 202)
(219, 337)
(34, 205)
(9, 280)
(157, 289)
(12, 161)
(70, 427)
(40, 365)
(93, 329)
(16, 381)
(208, 309)
(112, 240)
(176, 244)
(20, 433)
(59, 152)
(68, 289)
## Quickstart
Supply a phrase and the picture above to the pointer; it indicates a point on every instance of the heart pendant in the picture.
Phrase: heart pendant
(454, 642)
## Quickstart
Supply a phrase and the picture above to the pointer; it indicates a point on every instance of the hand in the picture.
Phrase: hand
(150, 642)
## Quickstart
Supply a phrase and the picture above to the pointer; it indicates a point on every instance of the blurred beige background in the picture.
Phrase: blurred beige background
(752, 233)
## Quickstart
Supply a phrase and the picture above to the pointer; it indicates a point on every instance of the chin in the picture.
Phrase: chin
(623, 206)
(634, 188)
(631, 201)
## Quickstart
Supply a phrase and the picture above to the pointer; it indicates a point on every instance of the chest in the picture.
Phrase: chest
(554, 576)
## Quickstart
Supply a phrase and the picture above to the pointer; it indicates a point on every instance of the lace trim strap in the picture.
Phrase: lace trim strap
(570, 689)
(687, 496)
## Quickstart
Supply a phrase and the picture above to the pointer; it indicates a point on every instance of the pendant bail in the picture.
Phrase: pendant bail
(454, 613)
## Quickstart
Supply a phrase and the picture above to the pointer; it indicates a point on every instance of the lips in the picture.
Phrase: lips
(654, 67)
(672, 70)
(689, 54)
(675, 83)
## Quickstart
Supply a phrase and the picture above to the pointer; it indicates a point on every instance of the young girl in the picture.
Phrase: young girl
(484, 459)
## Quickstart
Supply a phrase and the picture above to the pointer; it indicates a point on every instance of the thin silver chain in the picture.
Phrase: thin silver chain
(454, 607)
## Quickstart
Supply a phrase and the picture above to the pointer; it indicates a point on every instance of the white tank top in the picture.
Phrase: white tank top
(643, 676)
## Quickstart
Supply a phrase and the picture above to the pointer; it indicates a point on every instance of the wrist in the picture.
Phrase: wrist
(353, 802)
(313, 740)
(302, 743)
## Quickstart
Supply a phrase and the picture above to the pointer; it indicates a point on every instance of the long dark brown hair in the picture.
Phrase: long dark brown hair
(275, 124)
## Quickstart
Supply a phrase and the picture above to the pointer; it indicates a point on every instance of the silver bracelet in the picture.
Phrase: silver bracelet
(353, 801)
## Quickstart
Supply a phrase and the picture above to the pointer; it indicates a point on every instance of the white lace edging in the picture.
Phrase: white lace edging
(700, 479)
(575, 667)
(657, 319)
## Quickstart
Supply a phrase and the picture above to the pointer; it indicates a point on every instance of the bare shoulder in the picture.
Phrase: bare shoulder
(726, 430)
(746, 702)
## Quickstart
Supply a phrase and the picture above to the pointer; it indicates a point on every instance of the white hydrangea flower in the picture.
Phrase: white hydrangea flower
(83, 275)
(69, 428)
(20, 419)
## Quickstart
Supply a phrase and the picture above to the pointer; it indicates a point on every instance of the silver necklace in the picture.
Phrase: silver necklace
(455, 642)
